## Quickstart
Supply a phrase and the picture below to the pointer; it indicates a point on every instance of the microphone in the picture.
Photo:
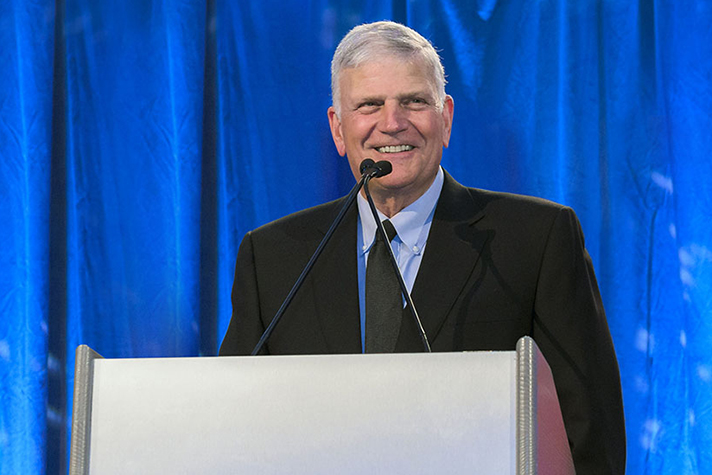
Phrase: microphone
(375, 170)
(369, 169)
(384, 168)
(368, 166)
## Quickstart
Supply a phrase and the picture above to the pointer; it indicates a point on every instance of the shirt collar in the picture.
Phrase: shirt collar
(408, 222)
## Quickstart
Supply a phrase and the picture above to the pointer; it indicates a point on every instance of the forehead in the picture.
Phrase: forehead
(387, 76)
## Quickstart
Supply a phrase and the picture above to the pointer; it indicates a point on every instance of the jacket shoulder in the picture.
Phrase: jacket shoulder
(309, 223)
(457, 198)
(502, 201)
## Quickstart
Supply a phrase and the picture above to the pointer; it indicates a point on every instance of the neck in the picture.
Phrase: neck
(390, 203)
(391, 206)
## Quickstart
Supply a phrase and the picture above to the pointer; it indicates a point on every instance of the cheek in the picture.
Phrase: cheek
(430, 126)
(359, 128)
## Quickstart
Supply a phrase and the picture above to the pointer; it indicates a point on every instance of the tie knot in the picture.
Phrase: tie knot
(390, 230)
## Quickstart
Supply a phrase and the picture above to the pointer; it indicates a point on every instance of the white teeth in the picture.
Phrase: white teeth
(395, 148)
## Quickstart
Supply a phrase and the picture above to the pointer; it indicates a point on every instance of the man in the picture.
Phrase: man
(484, 268)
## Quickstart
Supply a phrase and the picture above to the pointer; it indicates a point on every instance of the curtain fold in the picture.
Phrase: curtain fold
(26, 54)
(140, 140)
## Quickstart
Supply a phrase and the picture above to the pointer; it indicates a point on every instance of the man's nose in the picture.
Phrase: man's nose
(394, 117)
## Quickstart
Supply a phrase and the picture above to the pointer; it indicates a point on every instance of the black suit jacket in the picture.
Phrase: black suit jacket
(496, 267)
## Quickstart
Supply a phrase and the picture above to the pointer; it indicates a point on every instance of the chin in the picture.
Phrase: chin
(393, 183)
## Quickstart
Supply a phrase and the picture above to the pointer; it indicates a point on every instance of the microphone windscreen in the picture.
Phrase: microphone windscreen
(384, 168)
(366, 164)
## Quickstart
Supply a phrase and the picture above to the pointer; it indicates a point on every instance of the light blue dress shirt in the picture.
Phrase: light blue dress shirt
(412, 225)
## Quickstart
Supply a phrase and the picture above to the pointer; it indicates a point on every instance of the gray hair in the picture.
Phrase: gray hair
(366, 42)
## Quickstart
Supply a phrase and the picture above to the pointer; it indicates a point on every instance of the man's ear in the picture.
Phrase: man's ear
(448, 109)
(336, 132)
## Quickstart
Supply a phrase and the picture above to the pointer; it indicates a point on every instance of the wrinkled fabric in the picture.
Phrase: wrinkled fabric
(140, 140)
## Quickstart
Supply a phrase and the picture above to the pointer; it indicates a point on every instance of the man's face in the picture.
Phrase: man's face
(389, 112)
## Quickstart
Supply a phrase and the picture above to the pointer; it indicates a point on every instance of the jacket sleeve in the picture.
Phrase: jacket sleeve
(571, 330)
(245, 326)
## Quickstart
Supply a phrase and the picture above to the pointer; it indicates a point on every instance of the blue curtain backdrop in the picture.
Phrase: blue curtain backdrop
(139, 140)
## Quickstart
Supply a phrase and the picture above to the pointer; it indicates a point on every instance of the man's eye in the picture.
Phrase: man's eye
(368, 106)
(416, 102)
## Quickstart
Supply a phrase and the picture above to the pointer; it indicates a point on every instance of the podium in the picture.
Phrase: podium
(474, 412)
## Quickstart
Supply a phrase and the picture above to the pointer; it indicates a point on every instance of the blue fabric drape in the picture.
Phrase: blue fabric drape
(139, 141)
(133, 174)
(26, 36)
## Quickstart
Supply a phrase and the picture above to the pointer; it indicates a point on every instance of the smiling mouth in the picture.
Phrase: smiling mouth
(395, 148)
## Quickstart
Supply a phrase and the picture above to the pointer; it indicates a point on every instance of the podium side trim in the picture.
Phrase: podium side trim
(81, 410)
(526, 406)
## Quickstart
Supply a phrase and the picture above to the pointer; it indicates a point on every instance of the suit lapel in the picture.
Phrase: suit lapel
(453, 249)
(336, 286)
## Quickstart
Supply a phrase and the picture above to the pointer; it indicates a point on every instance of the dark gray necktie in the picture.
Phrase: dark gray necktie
(384, 307)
